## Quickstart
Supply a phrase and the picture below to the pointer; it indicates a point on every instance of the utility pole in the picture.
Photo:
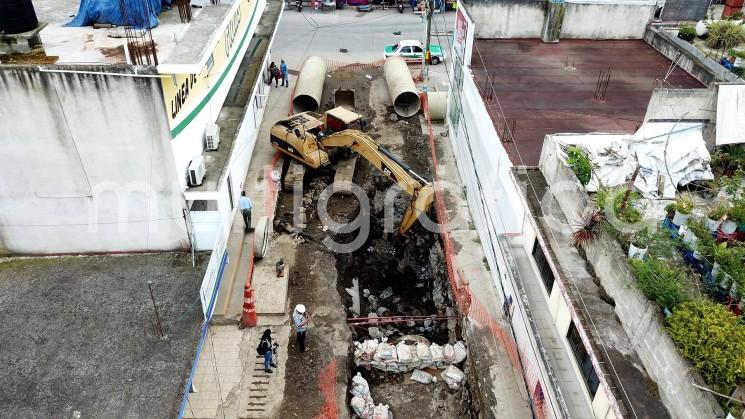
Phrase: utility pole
(429, 9)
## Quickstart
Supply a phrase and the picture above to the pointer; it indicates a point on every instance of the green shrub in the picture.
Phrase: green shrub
(580, 164)
(711, 338)
(631, 214)
(725, 34)
(660, 281)
(687, 33)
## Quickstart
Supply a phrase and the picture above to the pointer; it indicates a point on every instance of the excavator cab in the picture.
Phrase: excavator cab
(340, 118)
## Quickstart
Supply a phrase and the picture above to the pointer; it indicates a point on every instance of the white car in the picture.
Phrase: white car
(412, 50)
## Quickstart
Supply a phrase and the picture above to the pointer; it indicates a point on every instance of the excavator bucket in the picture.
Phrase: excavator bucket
(420, 204)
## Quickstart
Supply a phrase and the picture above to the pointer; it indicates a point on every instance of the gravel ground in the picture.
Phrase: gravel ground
(79, 335)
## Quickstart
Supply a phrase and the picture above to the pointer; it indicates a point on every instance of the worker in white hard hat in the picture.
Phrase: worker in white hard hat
(301, 318)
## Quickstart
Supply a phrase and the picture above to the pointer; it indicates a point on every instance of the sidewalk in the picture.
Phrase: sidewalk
(229, 379)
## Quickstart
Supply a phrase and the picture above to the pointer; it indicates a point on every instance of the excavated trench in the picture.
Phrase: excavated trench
(396, 276)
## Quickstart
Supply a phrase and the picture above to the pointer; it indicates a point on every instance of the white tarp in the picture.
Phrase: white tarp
(731, 114)
(669, 154)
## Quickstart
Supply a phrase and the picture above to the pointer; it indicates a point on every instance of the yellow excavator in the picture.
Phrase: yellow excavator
(309, 137)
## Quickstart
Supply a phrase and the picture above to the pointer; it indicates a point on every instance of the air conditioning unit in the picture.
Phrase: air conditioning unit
(212, 137)
(196, 171)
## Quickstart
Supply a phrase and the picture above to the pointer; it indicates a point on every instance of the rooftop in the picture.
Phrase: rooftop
(548, 88)
(178, 44)
(79, 334)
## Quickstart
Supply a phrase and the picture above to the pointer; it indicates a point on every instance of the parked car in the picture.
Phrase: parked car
(412, 50)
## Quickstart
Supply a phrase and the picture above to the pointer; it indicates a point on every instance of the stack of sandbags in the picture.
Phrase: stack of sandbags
(362, 403)
(403, 358)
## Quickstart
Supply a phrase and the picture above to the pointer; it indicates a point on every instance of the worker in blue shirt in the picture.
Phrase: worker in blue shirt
(245, 205)
(283, 69)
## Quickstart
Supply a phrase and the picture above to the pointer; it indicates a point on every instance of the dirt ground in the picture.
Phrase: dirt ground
(78, 335)
(412, 268)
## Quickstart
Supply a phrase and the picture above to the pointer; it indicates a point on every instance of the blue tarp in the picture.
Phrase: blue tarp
(110, 11)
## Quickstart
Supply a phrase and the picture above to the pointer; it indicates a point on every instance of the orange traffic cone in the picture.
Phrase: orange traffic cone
(248, 316)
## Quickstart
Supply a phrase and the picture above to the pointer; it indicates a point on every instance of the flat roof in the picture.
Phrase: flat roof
(177, 44)
(78, 334)
(548, 88)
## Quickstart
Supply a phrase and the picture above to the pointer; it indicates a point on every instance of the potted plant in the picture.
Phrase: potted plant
(670, 211)
(580, 164)
(683, 207)
(737, 216)
(639, 244)
(715, 215)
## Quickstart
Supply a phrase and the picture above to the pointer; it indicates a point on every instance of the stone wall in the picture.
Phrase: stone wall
(641, 318)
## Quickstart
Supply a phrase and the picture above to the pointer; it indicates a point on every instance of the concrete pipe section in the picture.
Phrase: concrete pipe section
(401, 87)
(309, 86)
(262, 236)
(438, 105)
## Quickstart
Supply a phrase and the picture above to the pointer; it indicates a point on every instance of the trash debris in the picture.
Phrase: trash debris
(393, 117)
(362, 403)
(386, 294)
(460, 352)
(374, 332)
(369, 77)
(422, 377)
(381, 311)
(453, 376)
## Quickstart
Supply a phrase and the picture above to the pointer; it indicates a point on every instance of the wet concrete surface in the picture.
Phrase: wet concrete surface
(548, 88)
(79, 335)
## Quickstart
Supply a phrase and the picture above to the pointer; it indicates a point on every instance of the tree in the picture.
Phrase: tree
(711, 338)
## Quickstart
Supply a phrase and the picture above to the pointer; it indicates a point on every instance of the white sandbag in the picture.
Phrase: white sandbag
(368, 348)
(421, 377)
(377, 365)
(403, 351)
(453, 376)
(460, 352)
(449, 353)
(360, 387)
(438, 358)
(385, 352)
(423, 352)
(359, 405)
(381, 412)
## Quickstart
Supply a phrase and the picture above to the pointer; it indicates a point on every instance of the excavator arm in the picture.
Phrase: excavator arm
(421, 191)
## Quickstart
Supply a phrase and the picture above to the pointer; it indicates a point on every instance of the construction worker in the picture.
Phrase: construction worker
(301, 319)
(283, 70)
(245, 205)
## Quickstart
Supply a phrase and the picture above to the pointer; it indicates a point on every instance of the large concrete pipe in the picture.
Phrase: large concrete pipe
(438, 105)
(401, 87)
(309, 86)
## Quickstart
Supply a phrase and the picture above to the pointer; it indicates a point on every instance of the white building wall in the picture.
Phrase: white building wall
(507, 19)
(86, 165)
(189, 143)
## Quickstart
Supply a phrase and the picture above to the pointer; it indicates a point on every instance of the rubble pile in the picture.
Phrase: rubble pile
(403, 357)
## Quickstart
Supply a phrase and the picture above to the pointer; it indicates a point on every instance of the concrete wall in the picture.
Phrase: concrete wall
(641, 319)
(507, 19)
(584, 19)
(86, 163)
(607, 19)
(687, 57)
(689, 104)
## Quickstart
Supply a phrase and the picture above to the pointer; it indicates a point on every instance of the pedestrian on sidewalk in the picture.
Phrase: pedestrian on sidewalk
(245, 205)
(273, 74)
(283, 69)
(301, 319)
(266, 348)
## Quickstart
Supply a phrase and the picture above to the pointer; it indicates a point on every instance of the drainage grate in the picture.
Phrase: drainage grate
(343, 50)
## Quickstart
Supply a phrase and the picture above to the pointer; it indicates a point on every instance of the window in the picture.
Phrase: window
(417, 49)
(543, 267)
(406, 50)
(583, 360)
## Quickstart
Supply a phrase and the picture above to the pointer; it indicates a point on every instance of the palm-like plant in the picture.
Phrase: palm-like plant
(725, 34)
